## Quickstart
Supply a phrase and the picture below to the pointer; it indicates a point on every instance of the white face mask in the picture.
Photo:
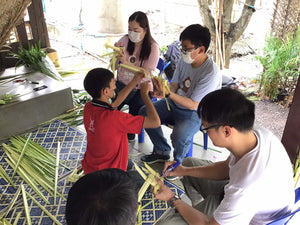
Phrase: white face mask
(187, 58)
(134, 36)
(111, 99)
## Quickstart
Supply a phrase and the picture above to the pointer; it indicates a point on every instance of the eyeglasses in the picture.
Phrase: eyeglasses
(187, 50)
(204, 130)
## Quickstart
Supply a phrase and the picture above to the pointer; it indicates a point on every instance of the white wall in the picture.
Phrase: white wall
(111, 16)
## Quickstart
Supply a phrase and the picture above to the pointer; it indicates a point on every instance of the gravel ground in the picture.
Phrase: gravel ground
(271, 116)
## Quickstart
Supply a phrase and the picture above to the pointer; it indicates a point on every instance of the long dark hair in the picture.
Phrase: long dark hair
(142, 20)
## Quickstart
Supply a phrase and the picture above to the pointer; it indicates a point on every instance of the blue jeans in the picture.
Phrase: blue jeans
(186, 123)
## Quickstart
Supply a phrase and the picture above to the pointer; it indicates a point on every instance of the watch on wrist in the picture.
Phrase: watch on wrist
(167, 96)
(173, 199)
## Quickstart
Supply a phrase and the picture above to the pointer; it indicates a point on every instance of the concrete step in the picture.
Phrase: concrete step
(33, 107)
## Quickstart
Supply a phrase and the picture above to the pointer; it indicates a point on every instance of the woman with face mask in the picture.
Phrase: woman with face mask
(140, 51)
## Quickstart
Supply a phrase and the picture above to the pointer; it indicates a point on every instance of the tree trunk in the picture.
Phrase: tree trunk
(231, 31)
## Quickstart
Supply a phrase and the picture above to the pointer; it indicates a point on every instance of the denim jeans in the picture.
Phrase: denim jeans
(186, 123)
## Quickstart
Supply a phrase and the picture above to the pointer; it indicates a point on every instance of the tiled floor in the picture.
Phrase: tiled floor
(73, 142)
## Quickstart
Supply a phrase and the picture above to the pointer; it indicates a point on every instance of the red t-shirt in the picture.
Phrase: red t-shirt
(107, 144)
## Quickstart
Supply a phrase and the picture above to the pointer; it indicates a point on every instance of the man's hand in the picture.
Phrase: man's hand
(158, 88)
(178, 171)
(157, 91)
(164, 192)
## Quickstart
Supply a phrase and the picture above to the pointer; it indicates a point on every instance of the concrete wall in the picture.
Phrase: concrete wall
(182, 12)
(104, 16)
(111, 16)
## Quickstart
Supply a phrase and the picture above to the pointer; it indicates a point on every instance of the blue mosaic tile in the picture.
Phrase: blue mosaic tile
(156, 208)
(73, 143)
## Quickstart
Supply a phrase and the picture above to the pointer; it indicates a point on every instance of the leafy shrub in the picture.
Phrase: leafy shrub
(281, 62)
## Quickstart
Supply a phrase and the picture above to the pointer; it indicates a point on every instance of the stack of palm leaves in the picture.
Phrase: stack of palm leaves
(34, 164)
(25, 194)
(37, 167)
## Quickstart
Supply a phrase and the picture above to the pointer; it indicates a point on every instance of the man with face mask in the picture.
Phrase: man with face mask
(195, 76)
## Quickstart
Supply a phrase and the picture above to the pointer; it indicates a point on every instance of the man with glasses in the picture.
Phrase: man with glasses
(254, 185)
(195, 76)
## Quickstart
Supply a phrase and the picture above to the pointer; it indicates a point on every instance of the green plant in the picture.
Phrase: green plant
(32, 56)
(35, 57)
(7, 98)
(281, 62)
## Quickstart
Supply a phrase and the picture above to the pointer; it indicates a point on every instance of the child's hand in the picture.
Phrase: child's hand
(145, 88)
(138, 77)
(145, 72)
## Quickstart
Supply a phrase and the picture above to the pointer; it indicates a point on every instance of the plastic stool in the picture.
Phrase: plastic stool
(190, 152)
(141, 136)
(141, 139)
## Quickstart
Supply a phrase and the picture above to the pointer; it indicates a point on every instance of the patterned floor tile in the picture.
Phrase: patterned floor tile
(73, 145)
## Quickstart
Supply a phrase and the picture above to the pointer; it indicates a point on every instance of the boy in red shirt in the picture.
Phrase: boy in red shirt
(107, 128)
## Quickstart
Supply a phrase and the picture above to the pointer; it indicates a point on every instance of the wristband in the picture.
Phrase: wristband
(173, 199)
(167, 96)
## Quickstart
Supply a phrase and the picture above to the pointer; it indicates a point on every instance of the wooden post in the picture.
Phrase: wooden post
(222, 56)
(22, 35)
(38, 24)
(291, 133)
(217, 34)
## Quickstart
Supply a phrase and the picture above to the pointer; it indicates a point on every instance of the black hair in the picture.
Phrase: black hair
(106, 197)
(142, 20)
(197, 34)
(227, 107)
(96, 80)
